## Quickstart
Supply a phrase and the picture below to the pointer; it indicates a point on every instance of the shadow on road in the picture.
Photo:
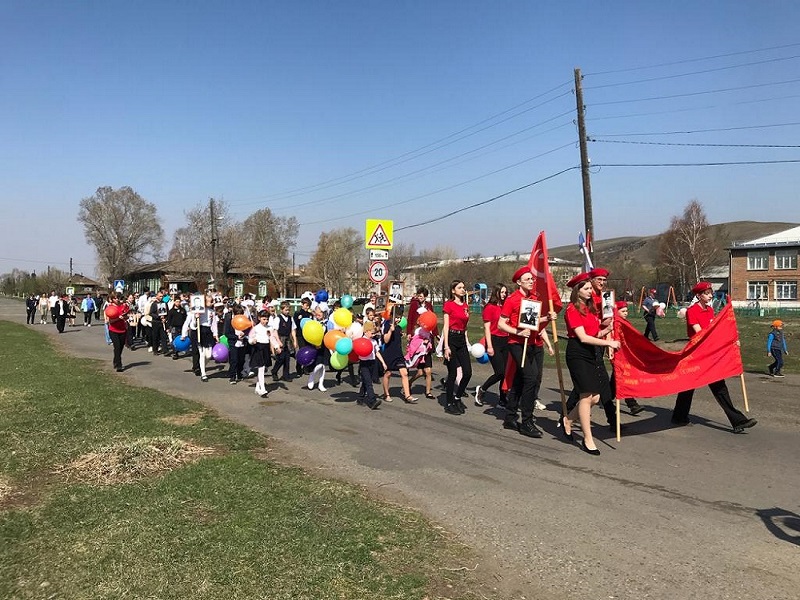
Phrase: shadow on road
(783, 524)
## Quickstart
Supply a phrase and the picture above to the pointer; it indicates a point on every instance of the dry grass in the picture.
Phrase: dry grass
(184, 420)
(130, 461)
(5, 488)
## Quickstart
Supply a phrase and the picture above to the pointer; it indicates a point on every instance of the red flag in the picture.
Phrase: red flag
(643, 370)
(544, 286)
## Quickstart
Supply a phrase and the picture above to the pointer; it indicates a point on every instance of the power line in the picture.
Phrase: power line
(702, 72)
(444, 189)
(691, 60)
(483, 202)
(703, 164)
(717, 91)
(692, 131)
(405, 157)
(692, 109)
(695, 144)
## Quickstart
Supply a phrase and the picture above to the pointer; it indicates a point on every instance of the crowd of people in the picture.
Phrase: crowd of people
(62, 309)
(257, 338)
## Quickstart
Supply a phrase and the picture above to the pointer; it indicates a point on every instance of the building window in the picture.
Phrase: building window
(786, 259)
(786, 290)
(758, 261)
(757, 290)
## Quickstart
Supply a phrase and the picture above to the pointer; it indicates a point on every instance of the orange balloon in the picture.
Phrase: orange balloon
(240, 322)
(427, 320)
(331, 338)
(387, 313)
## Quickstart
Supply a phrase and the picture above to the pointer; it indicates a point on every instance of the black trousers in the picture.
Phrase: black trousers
(366, 370)
(523, 397)
(158, 337)
(118, 341)
(683, 404)
(498, 361)
(650, 328)
(459, 357)
(87, 317)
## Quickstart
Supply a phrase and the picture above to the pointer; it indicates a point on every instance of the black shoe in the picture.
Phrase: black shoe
(595, 452)
(275, 377)
(680, 422)
(232, 382)
(204, 378)
(374, 404)
(196, 372)
(528, 428)
(120, 369)
(778, 374)
(461, 406)
(502, 403)
(452, 409)
(512, 424)
(635, 409)
(567, 436)
(175, 356)
(745, 425)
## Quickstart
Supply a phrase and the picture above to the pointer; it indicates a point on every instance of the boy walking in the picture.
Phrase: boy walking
(776, 348)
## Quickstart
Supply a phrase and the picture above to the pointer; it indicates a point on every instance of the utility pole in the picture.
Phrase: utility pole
(70, 269)
(582, 138)
(213, 242)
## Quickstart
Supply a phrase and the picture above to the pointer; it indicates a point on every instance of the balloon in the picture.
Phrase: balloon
(219, 353)
(362, 346)
(353, 357)
(165, 299)
(338, 361)
(331, 338)
(240, 322)
(113, 311)
(303, 322)
(342, 317)
(355, 331)
(344, 345)
(346, 301)
(477, 350)
(181, 344)
(321, 296)
(313, 332)
(682, 313)
(427, 320)
(484, 359)
(306, 356)
(223, 339)
(403, 322)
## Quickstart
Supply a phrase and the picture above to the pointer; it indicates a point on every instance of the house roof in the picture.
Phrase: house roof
(789, 237)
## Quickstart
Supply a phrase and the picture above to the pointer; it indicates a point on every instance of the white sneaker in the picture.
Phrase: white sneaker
(539, 406)
(150, 349)
(478, 396)
(322, 388)
(310, 385)
(259, 391)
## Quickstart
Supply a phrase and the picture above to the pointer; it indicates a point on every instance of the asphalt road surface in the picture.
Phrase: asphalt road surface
(689, 512)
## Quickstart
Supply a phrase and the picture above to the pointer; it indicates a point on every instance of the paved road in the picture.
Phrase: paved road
(693, 512)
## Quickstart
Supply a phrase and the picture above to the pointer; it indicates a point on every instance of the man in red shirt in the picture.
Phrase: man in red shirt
(699, 317)
(522, 396)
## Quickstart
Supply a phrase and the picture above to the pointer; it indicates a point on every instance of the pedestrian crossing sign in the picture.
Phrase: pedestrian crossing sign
(379, 234)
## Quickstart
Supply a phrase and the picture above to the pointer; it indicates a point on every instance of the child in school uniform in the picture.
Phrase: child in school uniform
(366, 369)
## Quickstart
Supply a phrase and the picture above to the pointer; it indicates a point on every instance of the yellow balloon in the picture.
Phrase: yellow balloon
(343, 317)
(313, 332)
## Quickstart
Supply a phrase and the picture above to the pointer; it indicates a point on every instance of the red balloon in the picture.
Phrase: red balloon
(112, 311)
(353, 357)
(362, 347)
(427, 320)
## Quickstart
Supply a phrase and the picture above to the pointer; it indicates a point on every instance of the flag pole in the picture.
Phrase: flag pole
(744, 393)
(619, 427)
(524, 352)
(558, 363)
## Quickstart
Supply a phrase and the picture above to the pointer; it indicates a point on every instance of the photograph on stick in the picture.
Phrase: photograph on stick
(529, 313)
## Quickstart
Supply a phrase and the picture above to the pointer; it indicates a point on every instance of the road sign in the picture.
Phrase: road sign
(119, 285)
(378, 254)
(378, 272)
(379, 234)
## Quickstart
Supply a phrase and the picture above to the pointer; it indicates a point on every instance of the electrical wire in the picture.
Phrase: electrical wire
(695, 144)
(484, 202)
(704, 164)
(692, 109)
(691, 60)
(688, 94)
(692, 131)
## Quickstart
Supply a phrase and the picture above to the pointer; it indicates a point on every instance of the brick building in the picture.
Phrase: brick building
(766, 270)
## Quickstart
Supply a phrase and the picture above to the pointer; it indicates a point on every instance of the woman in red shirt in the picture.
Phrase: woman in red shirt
(116, 313)
(456, 346)
(496, 344)
(585, 358)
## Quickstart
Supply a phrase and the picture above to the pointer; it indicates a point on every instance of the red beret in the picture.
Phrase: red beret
(520, 272)
(620, 304)
(598, 272)
(579, 278)
(701, 287)
(653, 291)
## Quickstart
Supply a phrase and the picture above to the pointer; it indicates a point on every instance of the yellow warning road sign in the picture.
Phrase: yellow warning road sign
(379, 234)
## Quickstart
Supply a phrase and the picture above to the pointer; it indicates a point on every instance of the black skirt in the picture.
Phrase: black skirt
(260, 356)
(586, 367)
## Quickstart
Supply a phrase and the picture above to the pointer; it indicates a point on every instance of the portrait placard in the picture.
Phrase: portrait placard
(198, 303)
(608, 304)
(529, 313)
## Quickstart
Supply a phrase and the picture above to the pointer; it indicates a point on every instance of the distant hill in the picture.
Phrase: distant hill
(645, 249)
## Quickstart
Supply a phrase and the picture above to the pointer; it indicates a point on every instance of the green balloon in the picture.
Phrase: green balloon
(223, 339)
(339, 361)
(403, 322)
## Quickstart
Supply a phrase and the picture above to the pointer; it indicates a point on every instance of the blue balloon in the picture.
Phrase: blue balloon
(344, 346)
(321, 296)
(303, 321)
(346, 301)
(484, 359)
(166, 298)
(181, 344)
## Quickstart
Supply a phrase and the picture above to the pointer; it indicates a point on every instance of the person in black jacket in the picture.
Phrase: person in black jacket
(30, 307)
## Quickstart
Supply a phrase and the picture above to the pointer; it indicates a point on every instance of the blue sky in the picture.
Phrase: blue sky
(338, 112)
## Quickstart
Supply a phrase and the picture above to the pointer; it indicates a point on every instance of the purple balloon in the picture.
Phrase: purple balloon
(219, 353)
(306, 355)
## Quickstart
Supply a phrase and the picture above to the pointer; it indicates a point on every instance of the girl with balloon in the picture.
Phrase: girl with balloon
(202, 325)
(260, 338)
(236, 327)
(393, 353)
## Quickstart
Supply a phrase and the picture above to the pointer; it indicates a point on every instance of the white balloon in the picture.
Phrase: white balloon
(356, 330)
(682, 313)
(477, 350)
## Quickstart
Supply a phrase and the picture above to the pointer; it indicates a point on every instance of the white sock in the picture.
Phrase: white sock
(261, 377)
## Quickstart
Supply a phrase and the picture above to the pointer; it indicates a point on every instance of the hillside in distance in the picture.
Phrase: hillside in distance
(644, 249)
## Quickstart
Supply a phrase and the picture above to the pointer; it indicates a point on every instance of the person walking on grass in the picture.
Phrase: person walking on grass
(776, 348)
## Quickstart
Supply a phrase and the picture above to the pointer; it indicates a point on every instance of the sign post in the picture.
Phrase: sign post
(378, 239)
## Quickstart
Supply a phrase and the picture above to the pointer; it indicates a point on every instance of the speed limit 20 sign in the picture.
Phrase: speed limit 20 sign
(378, 271)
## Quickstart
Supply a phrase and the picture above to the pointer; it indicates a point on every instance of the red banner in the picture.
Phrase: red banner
(643, 370)
(544, 286)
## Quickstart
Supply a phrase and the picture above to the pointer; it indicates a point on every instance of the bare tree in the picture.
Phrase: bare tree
(686, 247)
(267, 241)
(123, 228)
(334, 261)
